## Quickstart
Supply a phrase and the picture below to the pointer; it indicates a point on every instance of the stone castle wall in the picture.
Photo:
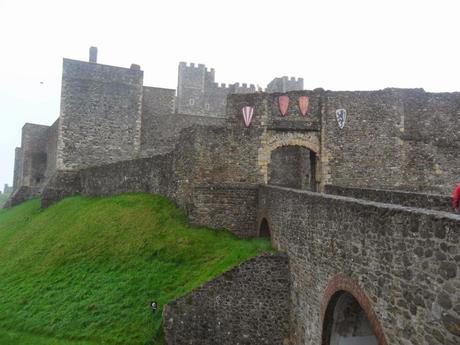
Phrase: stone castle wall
(199, 94)
(246, 305)
(100, 118)
(157, 105)
(402, 262)
(436, 202)
(161, 126)
(34, 155)
(285, 84)
(226, 206)
(393, 139)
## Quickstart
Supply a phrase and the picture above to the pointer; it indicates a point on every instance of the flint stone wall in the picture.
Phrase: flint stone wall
(430, 201)
(100, 119)
(399, 139)
(246, 305)
(405, 259)
(232, 207)
(165, 174)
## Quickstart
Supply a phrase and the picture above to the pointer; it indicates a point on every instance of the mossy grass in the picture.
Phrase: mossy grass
(84, 270)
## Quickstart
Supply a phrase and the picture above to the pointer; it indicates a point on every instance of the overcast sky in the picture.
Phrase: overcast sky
(334, 44)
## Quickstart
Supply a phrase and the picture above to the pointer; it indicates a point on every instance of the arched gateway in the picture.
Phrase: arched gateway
(290, 159)
(347, 315)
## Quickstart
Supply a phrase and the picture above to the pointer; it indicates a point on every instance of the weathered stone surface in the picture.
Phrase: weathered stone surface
(327, 235)
(232, 207)
(422, 200)
(100, 117)
(246, 305)
(114, 135)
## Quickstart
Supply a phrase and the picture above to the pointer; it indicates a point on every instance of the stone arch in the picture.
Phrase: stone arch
(261, 219)
(264, 229)
(339, 286)
(270, 142)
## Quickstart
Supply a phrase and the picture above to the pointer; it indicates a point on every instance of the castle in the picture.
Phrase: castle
(120, 118)
(351, 188)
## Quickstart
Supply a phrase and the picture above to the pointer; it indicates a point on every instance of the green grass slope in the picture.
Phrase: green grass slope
(3, 198)
(83, 271)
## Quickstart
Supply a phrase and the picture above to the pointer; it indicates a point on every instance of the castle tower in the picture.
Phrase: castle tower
(285, 84)
(191, 87)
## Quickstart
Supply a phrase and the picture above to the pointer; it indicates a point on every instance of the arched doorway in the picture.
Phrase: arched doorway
(346, 322)
(293, 166)
(264, 229)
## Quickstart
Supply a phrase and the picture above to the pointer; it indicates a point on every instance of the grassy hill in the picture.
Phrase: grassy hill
(83, 271)
(3, 198)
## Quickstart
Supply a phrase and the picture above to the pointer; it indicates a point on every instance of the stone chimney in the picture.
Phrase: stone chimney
(93, 54)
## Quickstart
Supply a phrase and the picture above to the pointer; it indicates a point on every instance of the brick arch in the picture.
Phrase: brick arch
(342, 283)
(272, 142)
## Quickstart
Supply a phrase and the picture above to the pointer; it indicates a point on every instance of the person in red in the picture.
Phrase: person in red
(456, 198)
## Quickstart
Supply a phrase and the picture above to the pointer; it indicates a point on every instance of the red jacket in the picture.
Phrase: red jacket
(456, 196)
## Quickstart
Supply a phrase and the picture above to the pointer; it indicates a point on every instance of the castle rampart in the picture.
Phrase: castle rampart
(285, 84)
(199, 94)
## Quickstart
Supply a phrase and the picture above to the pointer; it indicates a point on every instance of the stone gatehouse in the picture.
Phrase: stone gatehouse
(352, 190)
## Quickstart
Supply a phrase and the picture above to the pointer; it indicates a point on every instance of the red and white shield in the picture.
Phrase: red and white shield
(303, 105)
(283, 103)
(247, 115)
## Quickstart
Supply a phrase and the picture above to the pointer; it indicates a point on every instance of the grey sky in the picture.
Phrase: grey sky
(335, 44)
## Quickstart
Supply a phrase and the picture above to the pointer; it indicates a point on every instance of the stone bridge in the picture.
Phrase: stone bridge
(357, 272)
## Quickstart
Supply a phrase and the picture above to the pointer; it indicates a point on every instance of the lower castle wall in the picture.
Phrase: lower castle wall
(231, 207)
(150, 175)
(429, 201)
(246, 305)
(165, 129)
(187, 175)
(405, 261)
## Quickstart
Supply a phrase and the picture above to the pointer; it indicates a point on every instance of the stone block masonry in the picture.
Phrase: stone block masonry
(199, 94)
(398, 139)
(401, 263)
(421, 200)
(247, 305)
(232, 207)
(100, 120)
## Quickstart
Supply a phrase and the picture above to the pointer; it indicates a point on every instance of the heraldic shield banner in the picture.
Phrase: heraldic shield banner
(341, 115)
(303, 105)
(283, 104)
(247, 115)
